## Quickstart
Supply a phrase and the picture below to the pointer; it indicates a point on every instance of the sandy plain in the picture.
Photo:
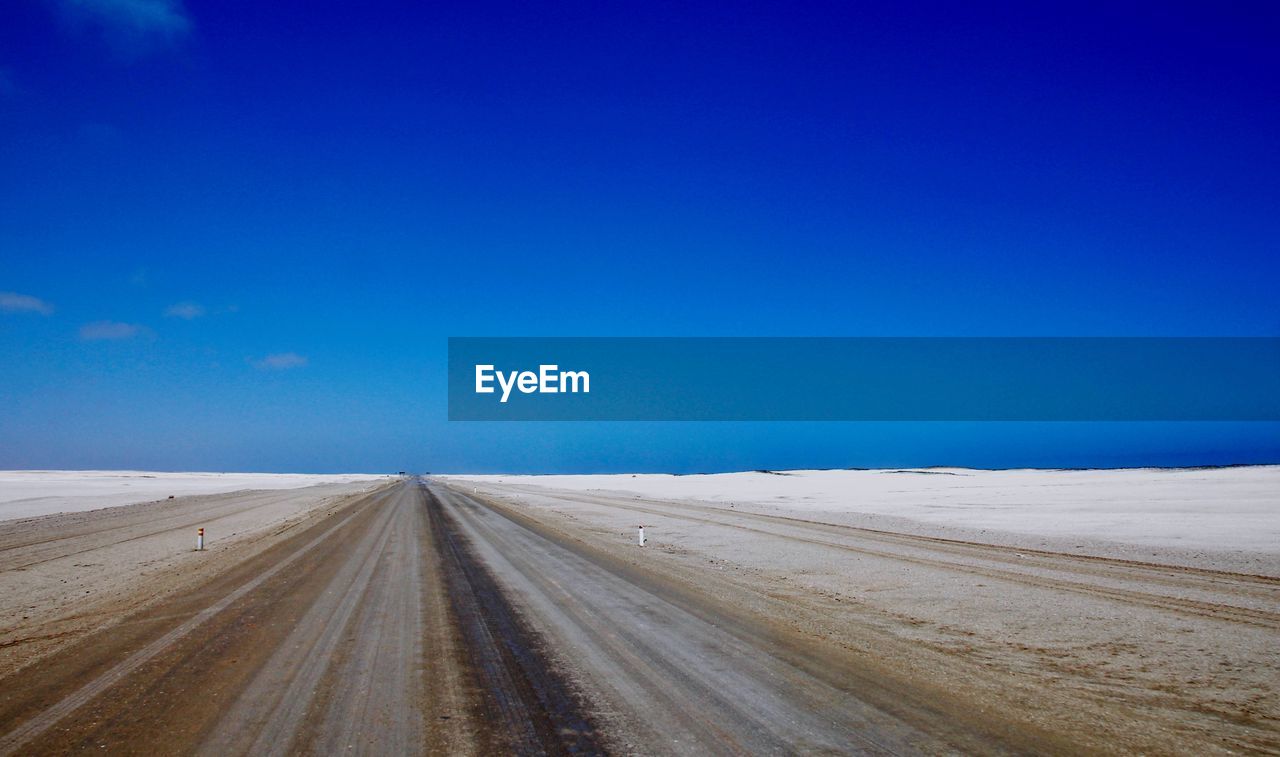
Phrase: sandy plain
(1118, 611)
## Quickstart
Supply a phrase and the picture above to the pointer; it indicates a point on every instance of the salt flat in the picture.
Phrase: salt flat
(1218, 509)
(31, 493)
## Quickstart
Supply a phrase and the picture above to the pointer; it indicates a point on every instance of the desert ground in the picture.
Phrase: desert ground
(907, 612)
(29, 493)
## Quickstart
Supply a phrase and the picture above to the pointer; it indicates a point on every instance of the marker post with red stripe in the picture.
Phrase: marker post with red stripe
(200, 540)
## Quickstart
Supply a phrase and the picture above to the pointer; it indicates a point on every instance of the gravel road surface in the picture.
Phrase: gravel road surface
(433, 617)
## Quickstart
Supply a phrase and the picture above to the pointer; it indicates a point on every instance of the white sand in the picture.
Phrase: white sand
(26, 494)
(1217, 509)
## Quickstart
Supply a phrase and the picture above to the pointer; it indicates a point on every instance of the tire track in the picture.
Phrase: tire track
(678, 682)
(1174, 575)
(360, 634)
(532, 706)
(13, 740)
(269, 715)
(1208, 609)
(381, 677)
(21, 556)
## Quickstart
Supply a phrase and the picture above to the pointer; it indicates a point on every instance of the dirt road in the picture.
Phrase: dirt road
(68, 574)
(342, 637)
(666, 678)
(425, 618)
(1042, 650)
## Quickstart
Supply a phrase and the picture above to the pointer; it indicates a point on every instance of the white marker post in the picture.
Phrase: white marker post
(641, 535)
(200, 540)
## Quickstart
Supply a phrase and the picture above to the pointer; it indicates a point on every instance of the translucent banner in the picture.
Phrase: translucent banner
(864, 379)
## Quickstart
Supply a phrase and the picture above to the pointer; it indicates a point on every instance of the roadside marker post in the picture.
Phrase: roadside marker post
(641, 538)
(200, 540)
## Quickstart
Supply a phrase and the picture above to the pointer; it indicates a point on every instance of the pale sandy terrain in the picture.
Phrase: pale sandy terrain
(474, 616)
(66, 574)
(1109, 611)
(1225, 518)
(28, 493)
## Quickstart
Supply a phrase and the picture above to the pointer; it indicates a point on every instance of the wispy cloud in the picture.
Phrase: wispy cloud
(187, 311)
(109, 330)
(12, 302)
(132, 26)
(281, 361)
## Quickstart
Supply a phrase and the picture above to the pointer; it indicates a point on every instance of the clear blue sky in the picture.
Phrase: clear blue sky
(235, 235)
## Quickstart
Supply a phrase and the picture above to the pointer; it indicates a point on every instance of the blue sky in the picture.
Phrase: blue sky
(235, 235)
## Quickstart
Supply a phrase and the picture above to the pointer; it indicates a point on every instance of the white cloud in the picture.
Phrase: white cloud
(185, 310)
(132, 26)
(113, 330)
(281, 361)
(12, 302)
